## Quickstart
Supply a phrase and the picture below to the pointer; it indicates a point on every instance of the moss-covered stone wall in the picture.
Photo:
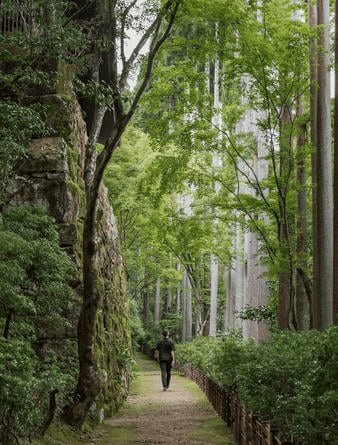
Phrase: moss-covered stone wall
(52, 176)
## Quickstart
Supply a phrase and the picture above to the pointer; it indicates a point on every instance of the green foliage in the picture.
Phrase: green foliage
(153, 227)
(262, 313)
(144, 188)
(219, 358)
(262, 50)
(34, 292)
(153, 333)
(290, 381)
(295, 383)
(57, 370)
(173, 322)
(18, 386)
(199, 352)
(34, 269)
(136, 325)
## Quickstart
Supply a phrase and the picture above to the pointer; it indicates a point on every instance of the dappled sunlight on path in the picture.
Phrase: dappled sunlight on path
(181, 415)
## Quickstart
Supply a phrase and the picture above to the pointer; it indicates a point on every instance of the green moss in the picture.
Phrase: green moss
(113, 344)
(64, 78)
(99, 216)
(102, 435)
(78, 247)
(77, 193)
(74, 180)
(60, 435)
(74, 164)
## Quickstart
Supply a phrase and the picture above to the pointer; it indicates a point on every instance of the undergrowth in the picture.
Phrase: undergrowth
(291, 380)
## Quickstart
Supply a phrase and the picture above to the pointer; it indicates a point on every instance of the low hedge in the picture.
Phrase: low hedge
(292, 380)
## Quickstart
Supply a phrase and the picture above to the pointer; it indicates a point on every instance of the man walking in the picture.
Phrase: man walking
(165, 355)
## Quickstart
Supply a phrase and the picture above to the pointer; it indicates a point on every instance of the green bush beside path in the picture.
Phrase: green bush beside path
(291, 381)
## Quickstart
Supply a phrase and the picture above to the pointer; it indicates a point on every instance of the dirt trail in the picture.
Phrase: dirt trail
(179, 416)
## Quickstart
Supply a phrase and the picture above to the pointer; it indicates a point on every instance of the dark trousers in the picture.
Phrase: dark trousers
(165, 373)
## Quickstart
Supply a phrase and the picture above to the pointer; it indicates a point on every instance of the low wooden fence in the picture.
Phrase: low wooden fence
(245, 426)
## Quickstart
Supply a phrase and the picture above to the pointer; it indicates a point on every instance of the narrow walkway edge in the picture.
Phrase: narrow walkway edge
(181, 415)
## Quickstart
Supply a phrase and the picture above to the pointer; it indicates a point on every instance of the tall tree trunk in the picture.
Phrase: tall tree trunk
(146, 297)
(286, 316)
(187, 309)
(237, 283)
(167, 303)
(230, 303)
(314, 140)
(88, 387)
(198, 309)
(224, 308)
(302, 306)
(335, 259)
(216, 165)
(157, 301)
(184, 308)
(178, 294)
(213, 296)
(322, 305)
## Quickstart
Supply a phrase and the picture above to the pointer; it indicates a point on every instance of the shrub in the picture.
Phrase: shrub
(292, 380)
(34, 292)
(199, 352)
(153, 333)
(231, 353)
(318, 394)
(136, 325)
(219, 358)
(18, 386)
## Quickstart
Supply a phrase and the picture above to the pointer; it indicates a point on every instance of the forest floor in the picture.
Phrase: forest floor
(181, 415)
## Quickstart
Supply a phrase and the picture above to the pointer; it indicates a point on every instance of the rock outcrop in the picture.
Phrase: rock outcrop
(52, 175)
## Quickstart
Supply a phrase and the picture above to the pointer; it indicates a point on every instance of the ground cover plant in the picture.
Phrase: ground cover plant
(290, 381)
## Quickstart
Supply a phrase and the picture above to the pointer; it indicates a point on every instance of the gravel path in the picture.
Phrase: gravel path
(179, 416)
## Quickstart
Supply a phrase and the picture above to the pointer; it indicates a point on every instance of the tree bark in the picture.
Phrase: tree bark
(216, 165)
(313, 123)
(50, 413)
(335, 259)
(187, 309)
(198, 311)
(167, 304)
(322, 305)
(302, 305)
(213, 296)
(157, 301)
(178, 293)
(146, 298)
(286, 315)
